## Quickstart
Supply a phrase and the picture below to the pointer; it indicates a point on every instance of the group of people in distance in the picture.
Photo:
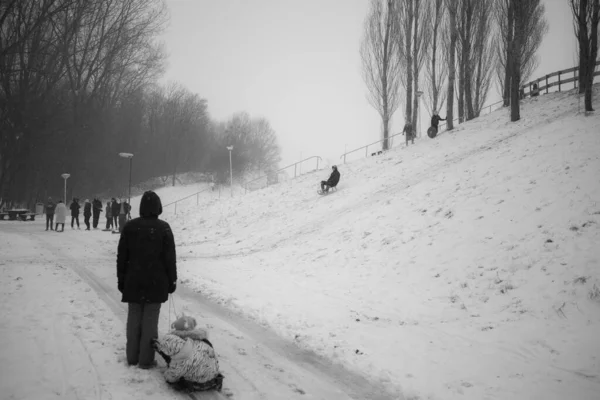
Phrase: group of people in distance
(116, 214)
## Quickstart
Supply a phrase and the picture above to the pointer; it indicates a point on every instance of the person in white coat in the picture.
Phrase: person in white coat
(60, 215)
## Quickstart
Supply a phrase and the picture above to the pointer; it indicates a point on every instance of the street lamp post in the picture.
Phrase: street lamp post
(130, 156)
(419, 94)
(65, 177)
(230, 148)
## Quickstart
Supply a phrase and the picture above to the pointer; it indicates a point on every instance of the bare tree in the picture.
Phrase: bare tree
(380, 62)
(586, 15)
(437, 67)
(405, 13)
(483, 56)
(524, 15)
(452, 7)
(532, 40)
(421, 40)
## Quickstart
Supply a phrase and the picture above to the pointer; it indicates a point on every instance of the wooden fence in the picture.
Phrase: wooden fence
(559, 78)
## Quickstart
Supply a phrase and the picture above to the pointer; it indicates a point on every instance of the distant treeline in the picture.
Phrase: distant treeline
(78, 85)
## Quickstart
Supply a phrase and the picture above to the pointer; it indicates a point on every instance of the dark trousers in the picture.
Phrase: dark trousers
(49, 221)
(122, 220)
(115, 221)
(86, 221)
(109, 223)
(75, 218)
(96, 219)
(142, 327)
(324, 186)
(63, 227)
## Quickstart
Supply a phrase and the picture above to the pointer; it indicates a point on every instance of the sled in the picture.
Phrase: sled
(331, 190)
(431, 132)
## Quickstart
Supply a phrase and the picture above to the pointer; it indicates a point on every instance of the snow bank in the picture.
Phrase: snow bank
(460, 267)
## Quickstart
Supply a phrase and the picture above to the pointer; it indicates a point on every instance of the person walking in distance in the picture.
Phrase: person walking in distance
(146, 275)
(61, 216)
(50, 208)
(87, 213)
(75, 213)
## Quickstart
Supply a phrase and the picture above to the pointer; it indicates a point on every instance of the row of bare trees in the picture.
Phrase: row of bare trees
(461, 43)
(78, 85)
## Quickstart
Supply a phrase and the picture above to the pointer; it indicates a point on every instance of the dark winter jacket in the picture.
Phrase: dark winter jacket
(334, 178)
(75, 208)
(124, 208)
(408, 129)
(87, 209)
(435, 121)
(50, 207)
(115, 208)
(146, 261)
(97, 204)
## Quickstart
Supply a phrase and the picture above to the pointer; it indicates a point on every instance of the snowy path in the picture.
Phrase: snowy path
(64, 315)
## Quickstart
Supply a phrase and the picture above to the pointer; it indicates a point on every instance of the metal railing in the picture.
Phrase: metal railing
(367, 147)
(295, 165)
(197, 194)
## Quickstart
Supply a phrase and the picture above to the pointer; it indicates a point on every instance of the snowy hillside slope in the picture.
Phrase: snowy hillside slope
(461, 267)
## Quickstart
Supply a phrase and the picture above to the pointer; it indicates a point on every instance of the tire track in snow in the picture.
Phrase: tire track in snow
(103, 292)
(247, 355)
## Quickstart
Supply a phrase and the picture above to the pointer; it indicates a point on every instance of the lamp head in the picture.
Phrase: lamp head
(65, 176)
(126, 155)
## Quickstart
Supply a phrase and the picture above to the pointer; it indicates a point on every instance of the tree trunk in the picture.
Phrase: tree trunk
(451, 70)
(408, 49)
(461, 89)
(516, 70)
(509, 61)
(415, 71)
(593, 49)
(583, 40)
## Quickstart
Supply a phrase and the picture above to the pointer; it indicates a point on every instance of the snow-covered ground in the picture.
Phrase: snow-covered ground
(465, 267)
(461, 267)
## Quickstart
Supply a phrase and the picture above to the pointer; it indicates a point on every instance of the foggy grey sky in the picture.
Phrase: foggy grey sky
(297, 64)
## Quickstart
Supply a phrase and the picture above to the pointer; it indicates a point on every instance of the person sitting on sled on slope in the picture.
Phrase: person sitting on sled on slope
(333, 180)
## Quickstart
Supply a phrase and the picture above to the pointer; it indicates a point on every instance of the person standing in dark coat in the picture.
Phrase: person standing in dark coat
(50, 207)
(75, 213)
(97, 209)
(435, 120)
(123, 212)
(146, 275)
(108, 215)
(115, 213)
(87, 213)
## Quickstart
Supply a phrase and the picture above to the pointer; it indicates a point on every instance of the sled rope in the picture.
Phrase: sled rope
(171, 307)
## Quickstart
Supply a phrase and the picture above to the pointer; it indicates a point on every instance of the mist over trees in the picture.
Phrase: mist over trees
(78, 85)
(453, 49)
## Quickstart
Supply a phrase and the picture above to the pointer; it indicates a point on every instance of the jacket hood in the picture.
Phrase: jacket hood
(150, 205)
